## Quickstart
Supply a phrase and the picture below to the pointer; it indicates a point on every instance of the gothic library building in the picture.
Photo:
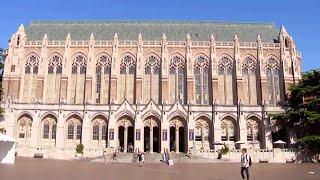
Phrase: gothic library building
(148, 85)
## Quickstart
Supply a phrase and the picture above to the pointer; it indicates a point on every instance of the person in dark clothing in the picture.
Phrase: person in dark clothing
(245, 164)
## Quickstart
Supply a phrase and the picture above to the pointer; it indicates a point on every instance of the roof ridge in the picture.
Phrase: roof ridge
(229, 23)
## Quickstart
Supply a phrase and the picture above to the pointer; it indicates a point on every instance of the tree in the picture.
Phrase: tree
(303, 113)
(1, 72)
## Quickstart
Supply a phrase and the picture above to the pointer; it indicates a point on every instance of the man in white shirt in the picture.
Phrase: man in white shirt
(245, 164)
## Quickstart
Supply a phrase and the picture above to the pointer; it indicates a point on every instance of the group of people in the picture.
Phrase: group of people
(138, 157)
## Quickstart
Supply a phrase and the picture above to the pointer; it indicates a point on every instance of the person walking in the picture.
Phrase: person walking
(245, 164)
(140, 158)
(104, 157)
(114, 156)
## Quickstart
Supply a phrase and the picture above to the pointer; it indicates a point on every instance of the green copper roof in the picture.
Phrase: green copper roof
(151, 30)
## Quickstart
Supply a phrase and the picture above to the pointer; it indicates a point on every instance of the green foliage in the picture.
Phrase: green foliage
(79, 148)
(1, 70)
(303, 112)
(224, 150)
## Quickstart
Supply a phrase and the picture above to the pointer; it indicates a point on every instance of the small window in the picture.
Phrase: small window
(21, 135)
(18, 41)
(13, 68)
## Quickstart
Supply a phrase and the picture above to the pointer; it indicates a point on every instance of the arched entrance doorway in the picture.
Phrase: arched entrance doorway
(152, 134)
(126, 134)
(178, 135)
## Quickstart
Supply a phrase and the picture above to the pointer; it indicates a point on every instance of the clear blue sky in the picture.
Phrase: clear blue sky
(301, 18)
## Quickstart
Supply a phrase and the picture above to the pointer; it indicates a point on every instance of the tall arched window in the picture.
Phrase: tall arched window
(151, 79)
(225, 81)
(53, 79)
(99, 132)
(73, 131)
(127, 78)
(272, 72)
(228, 130)
(30, 79)
(103, 70)
(249, 72)
(201, 80)
(177, 79)
(49, 124)
(78, 80)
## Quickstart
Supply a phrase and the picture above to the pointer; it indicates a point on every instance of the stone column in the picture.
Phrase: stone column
(165, 144)
(35, 130)
(60, 136)
(86, 132)
(268, 133)
(216, 129)
(177, 139)
(202, 138)
(243, 131)
(125, 144)
(151, 139)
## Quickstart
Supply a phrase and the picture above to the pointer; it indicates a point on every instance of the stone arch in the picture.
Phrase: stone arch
(177, 54)
(151, 109)
(203, 55)
(74, 114)
(203, 115)
(151, 120)
(230, 128)
(24, 129)
(248, 55)
(255, 130)
(125, 120)
(178, 134)
(128, 54)
(99, 131)
(151, 134)
(48, 130)
(177, 113)
(49, 113)
(52, 55)
(271, 55)
(99, 114)
(126, 136)
(26, 113)
(32, 54)
(225, 55)
(152, 54)
(79, 54)
(102, 54)
(73, 129)
(126, 113)
(203, 132)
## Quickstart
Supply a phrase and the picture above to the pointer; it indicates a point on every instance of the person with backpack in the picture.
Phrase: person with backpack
(245, 164)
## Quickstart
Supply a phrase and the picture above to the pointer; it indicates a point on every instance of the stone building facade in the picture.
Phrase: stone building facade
(146, 84)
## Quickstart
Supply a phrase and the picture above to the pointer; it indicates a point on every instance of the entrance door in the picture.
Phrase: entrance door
(121, 138)
(172, 138)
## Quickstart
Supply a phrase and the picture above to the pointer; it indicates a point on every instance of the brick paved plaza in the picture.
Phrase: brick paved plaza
(25, 169)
